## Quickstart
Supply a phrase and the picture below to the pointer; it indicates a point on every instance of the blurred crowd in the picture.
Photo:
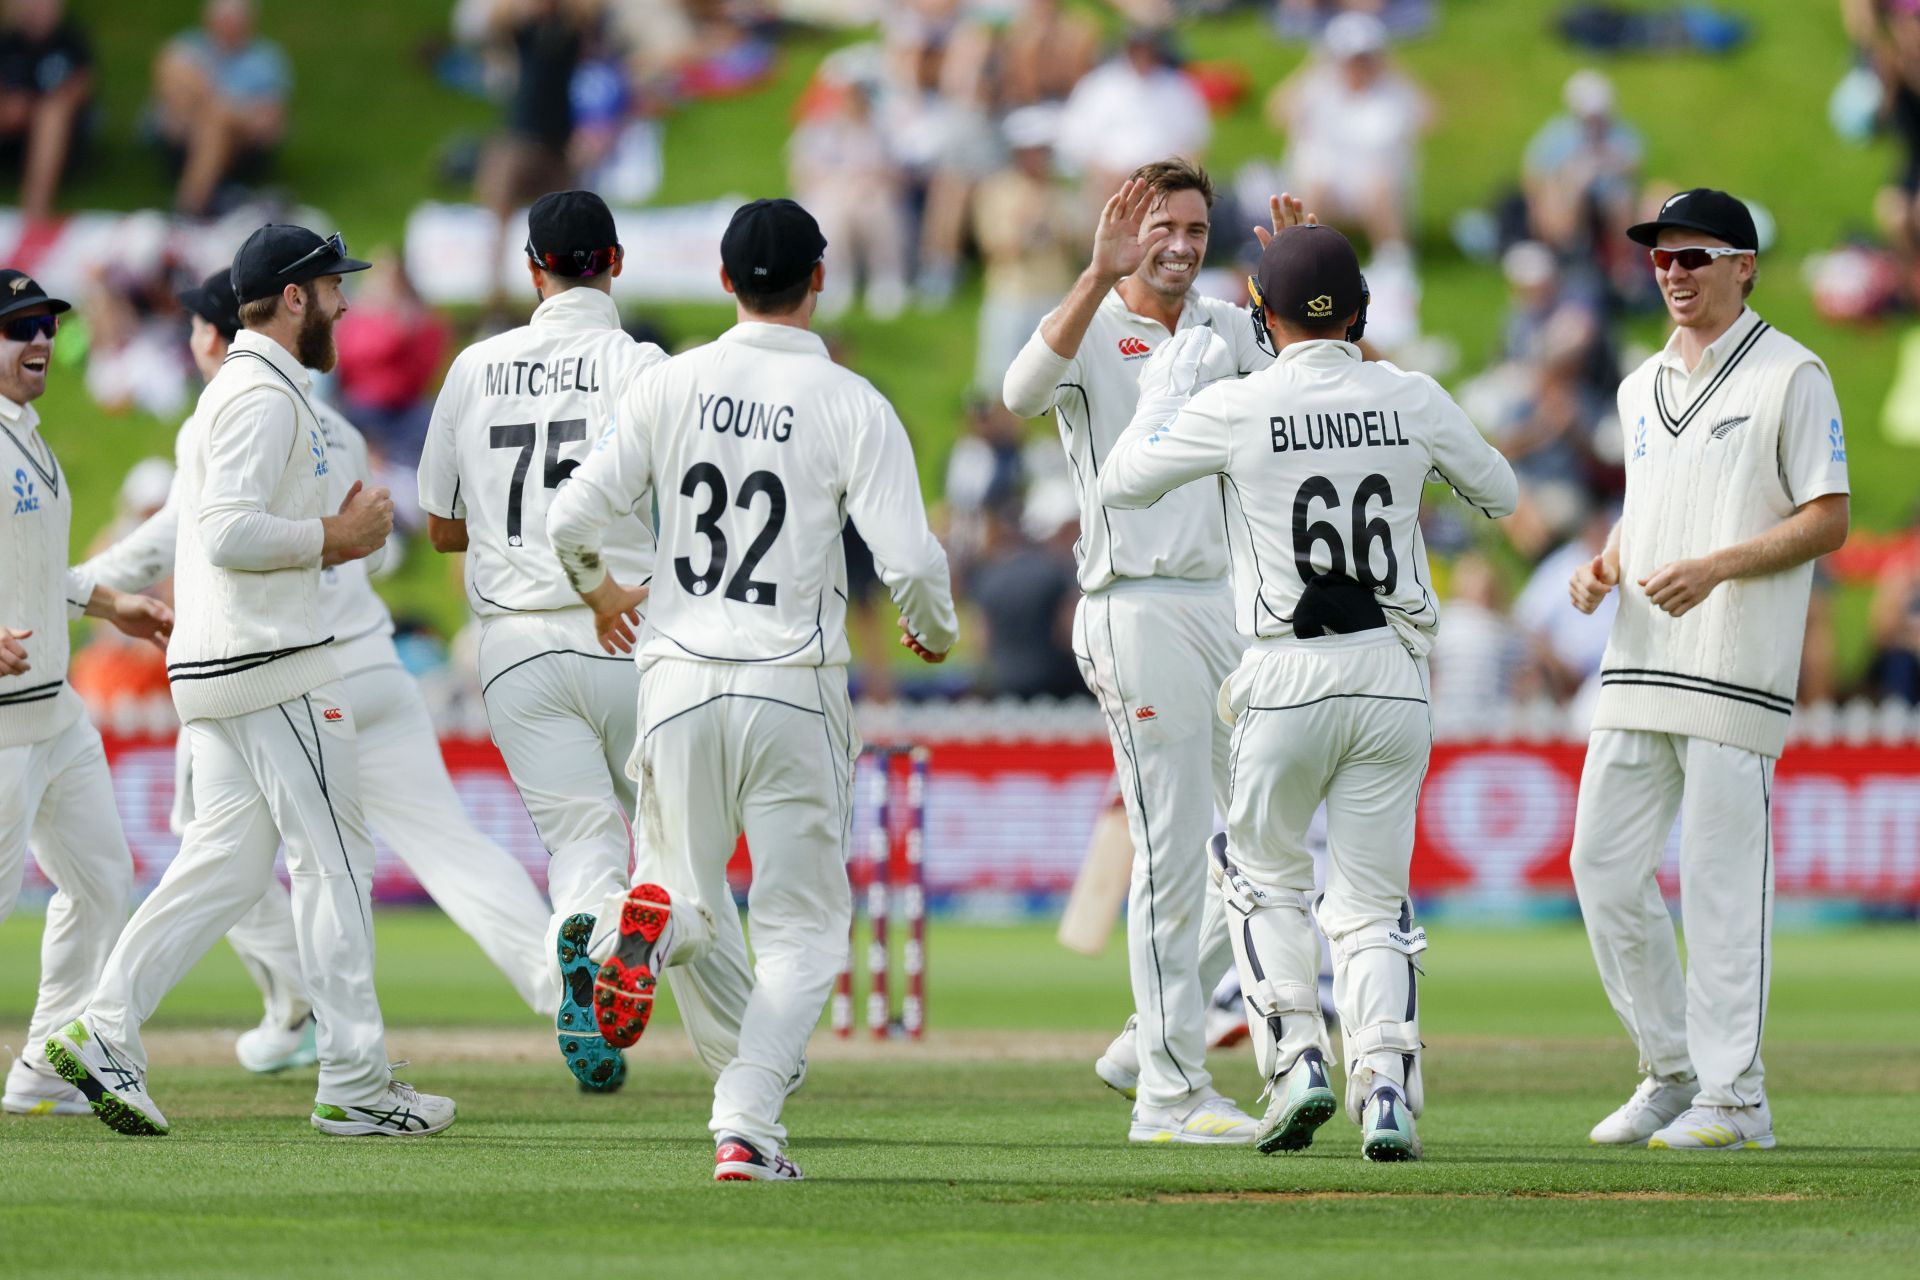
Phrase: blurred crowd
(974, 140)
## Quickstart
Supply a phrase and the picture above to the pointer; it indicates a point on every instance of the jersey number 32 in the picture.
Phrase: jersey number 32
(742, 586)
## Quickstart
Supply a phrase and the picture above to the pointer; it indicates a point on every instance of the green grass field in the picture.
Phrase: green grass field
(990, 1148)
(371, 121)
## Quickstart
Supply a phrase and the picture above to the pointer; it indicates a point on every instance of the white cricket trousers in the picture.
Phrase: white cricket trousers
(1344, 721)
(1155, 653)
(411, 804)
(562, 713)
(767, 752)
(57, 796)
(286, 774)
(1707, 1022)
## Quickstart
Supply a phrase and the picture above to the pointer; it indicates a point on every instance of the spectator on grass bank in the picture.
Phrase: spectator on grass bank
(1581, 180)
(542, 43)
(1046, 50)
(1131, 110)
(219, 101)
(1564, 645)
(842, 169)
(46, 90)
(1887, 32)
(1353, 121)
(1893, 620)
(987, 460)
(1028, 229)
(391, 348)
(1478, 658)
(1026, 592)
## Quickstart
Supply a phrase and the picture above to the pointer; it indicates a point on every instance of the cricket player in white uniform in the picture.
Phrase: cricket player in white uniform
(1326, 458)
(760, 448)
(1699, 676)
(1154, 632)
(269, 724)
(517, 414)
(404, 786)
(55, 793)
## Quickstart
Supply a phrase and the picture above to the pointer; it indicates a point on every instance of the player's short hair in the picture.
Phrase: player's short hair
(1177, 173)
(262, 310)
(773, 302)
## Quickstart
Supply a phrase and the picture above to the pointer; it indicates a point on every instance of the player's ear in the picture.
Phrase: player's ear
(294, 297)
(726, 281)
(619, 260)
(819, 276)
(533, 274)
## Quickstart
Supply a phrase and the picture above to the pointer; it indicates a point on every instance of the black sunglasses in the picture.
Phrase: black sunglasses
(333, 244)
(27, 328)
(1697, 257)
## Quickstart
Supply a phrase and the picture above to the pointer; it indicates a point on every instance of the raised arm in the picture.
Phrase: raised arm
(1177, 435)
(1464, 460)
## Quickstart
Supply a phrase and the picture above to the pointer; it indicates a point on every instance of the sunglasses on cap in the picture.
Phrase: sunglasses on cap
(1695, 257)
(581, 264)
(334, 245)
(28, 328)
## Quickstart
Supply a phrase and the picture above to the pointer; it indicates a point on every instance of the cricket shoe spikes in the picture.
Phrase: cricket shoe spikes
(1709, 1128)
(40, 1093)
(1302, 1102)
(1386, 1126)
(401, 1112)
(1654, 1105)
(1206, 1119)
(737, 1160)
(1119, 1067)
(597, 1065)
(114, 1088)
(270, 1047)
(623, 993)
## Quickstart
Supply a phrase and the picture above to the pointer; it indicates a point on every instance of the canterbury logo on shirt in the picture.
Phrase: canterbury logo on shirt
(1134, 349)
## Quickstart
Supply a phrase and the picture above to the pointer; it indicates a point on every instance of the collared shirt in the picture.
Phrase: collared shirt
(1093, 396)
(1813, 457)
(38, 592)
(1325, 458)
(517, 414)
(760, 448)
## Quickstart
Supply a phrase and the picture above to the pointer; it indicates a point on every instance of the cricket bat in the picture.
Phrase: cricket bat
(1101, 887)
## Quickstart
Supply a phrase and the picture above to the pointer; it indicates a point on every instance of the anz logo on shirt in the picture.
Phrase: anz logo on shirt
(1836, 443)
(25, 500)
(319, 452)
(1640, 440)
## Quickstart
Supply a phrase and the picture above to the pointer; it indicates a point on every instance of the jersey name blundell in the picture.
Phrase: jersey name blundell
(539, 377)
(747, 419)
(1293, 433)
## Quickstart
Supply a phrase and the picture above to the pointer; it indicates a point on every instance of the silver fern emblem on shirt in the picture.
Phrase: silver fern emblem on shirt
(1726, 425)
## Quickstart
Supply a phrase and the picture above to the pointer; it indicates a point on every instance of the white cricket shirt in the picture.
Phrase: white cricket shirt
(517, 414)
(1093, 396)
(760, 448)
(1325, 457)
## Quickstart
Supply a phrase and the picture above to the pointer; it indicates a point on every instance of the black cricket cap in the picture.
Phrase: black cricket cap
(20, 292)
(571, 233)
(213, 301)
(280, 254)
(1310, 275)
(1701, 209)
(770, 245)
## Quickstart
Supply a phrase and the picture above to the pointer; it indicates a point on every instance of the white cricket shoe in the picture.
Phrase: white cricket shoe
(38, 1093)
(1206, 1119)
(1119, 1067)
(1302, 1102)
(1653, 1105)
(1709, 1128)
(402, 1112)
(1386, 1128)
(737, 1160)
(115, 1089)
(272, 1047)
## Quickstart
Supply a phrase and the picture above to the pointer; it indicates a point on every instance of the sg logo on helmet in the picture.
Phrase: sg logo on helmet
(1321, 307)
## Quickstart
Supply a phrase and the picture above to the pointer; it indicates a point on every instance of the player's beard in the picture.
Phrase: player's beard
(314, 346)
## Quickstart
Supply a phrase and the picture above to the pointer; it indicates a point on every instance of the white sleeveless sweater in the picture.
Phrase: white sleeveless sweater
(1702, 476)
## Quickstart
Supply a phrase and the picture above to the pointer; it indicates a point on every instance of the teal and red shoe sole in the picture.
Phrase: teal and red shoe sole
(598, 1066)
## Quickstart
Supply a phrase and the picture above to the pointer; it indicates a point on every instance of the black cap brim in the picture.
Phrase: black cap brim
(54, 306)
(337, 267)
(1648, 233)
